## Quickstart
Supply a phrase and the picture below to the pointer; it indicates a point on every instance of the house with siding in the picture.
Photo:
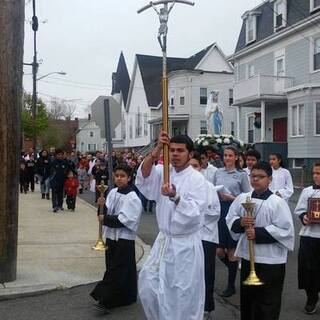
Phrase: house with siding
(190, 82)
(277, 80)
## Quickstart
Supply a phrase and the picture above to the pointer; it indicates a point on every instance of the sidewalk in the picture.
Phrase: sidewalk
(54, 249)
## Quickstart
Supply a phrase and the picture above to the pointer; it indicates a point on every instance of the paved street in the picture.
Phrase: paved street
(76, 304)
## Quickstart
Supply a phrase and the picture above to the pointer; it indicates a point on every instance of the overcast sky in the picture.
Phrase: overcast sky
(85, 37)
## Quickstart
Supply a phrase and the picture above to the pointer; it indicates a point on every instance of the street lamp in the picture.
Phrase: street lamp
(50, 73)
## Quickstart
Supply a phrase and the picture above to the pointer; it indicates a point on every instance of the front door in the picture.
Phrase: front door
(280, 130)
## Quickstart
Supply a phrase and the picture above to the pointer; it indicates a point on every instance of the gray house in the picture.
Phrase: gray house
(277, 81)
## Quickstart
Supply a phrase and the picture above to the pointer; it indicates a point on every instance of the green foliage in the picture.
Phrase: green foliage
(41, 122)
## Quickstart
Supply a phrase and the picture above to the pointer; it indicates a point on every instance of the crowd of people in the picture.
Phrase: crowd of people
(201, 216)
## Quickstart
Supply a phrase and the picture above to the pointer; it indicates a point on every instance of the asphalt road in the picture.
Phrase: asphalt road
(75, 304)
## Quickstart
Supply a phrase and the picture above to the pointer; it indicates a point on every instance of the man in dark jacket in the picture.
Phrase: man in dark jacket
(43, 171)
(58, 169)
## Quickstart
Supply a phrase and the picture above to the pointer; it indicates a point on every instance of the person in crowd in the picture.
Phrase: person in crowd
(242, 160)
(121, 216)
(100, 175)
(30, 167)
(252, 157)
(82, 177)
(214, 157)
(172, 282)
(23, 177)
(71, 185)
(309, 251)
(281, 184)
(209, 236)
(271, 228)
(58, 170)
(43, 172)
(207, 169)
(235, 182)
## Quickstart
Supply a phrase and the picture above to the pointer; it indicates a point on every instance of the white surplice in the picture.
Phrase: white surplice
(282, 183)
(171, 282)
(274, 215)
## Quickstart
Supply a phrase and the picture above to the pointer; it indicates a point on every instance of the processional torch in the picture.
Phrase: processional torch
(100, 245)
(252, 279)
(163, 14)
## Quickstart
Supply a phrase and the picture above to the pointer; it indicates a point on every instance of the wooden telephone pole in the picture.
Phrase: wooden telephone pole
(11, 55)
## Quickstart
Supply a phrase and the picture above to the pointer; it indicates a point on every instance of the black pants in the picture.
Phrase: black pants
(23, 187)
(309, 267)
(57, 197)
(119, 284)
(71, 202)
(209, 250)
(31, 182)
(262, 302)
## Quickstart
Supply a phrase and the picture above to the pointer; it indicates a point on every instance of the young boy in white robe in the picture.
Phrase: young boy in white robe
(172, 282)
(122, 213)
(281, 183)
(309, 251)
(272, 231)
(209, 236)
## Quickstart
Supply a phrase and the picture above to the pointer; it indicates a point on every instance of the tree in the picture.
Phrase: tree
(11, 53)
(60, 109)
(26, 117)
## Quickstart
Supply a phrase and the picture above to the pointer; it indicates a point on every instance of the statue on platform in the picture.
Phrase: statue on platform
(214, 114)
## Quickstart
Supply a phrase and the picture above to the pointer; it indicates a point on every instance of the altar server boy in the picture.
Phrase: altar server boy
(122, 213)
(309, 251)
(272, 230)
(209, 236)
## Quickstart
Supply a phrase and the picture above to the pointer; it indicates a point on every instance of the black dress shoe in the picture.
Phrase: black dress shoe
(310, 307)
(228, 292)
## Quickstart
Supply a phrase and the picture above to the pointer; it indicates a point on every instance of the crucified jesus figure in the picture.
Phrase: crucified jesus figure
(163, 18)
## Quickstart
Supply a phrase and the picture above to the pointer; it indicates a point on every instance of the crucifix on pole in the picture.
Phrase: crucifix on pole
(163, 14)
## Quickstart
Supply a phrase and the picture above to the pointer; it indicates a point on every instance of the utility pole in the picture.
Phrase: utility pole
(11, 59)
(35, 65)
(163, 14)
(107, 123)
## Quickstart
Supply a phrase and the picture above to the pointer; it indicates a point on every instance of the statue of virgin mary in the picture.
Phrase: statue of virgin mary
(214, 114)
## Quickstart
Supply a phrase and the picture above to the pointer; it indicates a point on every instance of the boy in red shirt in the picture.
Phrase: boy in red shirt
(71, 185)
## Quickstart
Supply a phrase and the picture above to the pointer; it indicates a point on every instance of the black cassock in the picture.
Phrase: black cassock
(119, 284)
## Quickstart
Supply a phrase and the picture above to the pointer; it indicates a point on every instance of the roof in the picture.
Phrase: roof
(121, 79)
(151, 71)
(297, 10)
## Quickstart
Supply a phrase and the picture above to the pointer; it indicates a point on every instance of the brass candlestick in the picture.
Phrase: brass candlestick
(100, 245)
(252, 279)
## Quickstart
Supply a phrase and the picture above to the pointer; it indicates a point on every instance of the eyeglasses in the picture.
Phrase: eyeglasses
(257, 177)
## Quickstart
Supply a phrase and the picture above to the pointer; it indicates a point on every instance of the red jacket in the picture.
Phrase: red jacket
(71, 186)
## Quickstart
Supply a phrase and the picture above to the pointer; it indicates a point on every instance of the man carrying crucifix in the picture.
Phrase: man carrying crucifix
(171, 282)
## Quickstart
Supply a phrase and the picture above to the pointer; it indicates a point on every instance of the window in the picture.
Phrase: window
(203, 96)
(316, 54)
(145, 124)
(317, 119)
(314, 4)
(232, 128)
(92, 147)
(91, 134)
(251, 27)
(182, 97)
(172, 98)
(203, 127)
(138, 123)
(250, 70)
(298, 163)
(230, 97)
(280, 14)
(250, 129)
(280, 67)
(123, 128)
(131, 129)
(297, 120)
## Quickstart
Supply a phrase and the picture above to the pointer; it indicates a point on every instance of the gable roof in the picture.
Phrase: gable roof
(151, 71)
(297, 10)
(121, 79)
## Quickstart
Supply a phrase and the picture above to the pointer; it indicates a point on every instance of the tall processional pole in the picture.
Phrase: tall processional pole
(163, 14)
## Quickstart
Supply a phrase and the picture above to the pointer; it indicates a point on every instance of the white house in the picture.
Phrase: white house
(89, 136)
